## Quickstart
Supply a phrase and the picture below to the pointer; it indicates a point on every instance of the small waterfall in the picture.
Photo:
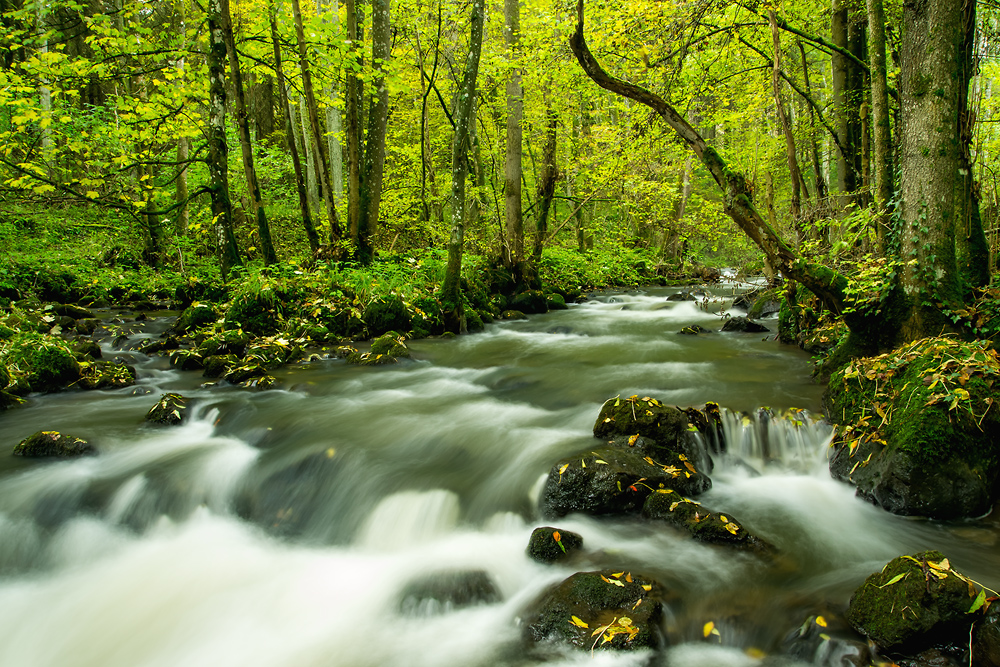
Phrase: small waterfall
(794, 439)
(409, 518)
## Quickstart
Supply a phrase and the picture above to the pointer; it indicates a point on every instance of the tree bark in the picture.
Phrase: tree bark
(547, 179)
(881, 139)
(246, 148)
(218, 151)
(451, 293)
(300, 183)
(352, 120)
(320, 166)
(943, 239)
(378, 116)
(514, 254)
(786, 127)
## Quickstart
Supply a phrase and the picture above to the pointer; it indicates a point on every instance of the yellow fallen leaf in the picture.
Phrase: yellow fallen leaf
(709, 629)
(618, 574)
(722, 517)
(943, 565)
(820, 621)
(628, 577)
(647, 587)
(633, 439)
(578, 622)
(638, 602)
(732, 528)
(562, 468)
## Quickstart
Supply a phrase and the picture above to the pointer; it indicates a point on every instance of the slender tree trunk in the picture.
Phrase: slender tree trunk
(822, 193)
(300, 183)
(246, 148)
(451, 292)
(881, 139)
(218, 151)
(352, 130)
(320, 166)
(547, 180)
(308, 148)
(334, 122)
(843, 100)
(514, 254)
(181, 187)
(786, 127)
(378, 116)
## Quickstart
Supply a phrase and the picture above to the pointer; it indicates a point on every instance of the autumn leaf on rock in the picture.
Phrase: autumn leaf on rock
(574, 620)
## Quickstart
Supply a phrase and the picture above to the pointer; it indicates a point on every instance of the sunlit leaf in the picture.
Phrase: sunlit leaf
(978, 602)
(897, 578)
(578, 622)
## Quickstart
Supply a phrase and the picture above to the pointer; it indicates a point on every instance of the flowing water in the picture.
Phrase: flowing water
(284, 528)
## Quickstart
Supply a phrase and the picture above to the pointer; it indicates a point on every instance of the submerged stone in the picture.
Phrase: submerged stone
(914, 601)
(599, 610)
(743, 325)
(45, 444)
(443, 592)
(694, 330)
(549, 545)
(614, 480)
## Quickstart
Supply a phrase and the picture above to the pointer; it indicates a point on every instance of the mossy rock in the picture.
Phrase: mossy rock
(186, 360)
(194, 317)
(218, 365)
(53, 444)
(627, 605)
(473, 321)
(427, 317)
(170, 410)
(766, 303)
(531, 302)
(257, 307)
(513, 315)
(665, 426)
(242, 372)
(986, 638)
(155, 346)
(51, 368)
(615, 480)
(551, 545)
(8, 400)
(87, 326)
(386, 314)
(683, 295)
(4, 377)
(107, 375)
(225, 342)
(702, 523)
(392, 345)
(555, 302)
(444, 592)
(930, 445)
(694, 330)
(70, 310)
(914, 601)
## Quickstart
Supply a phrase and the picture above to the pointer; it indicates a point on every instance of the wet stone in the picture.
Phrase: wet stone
(53, 444)
(442, 592)
(549, 545)
(171, 409)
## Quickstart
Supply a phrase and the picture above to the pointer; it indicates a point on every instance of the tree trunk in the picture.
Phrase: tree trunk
(451, 293)
(943, 240)
(822, 193)
(181, 187)
(320, 166)
(307, 147)
(514, 254)
(881, 139)
(352, 130)
(263, 108)
(378, 116)
(334, 122)
(300, 183)
(547, 180)
(842, 99)
(786, 127)
(218, 151)
(243, 125)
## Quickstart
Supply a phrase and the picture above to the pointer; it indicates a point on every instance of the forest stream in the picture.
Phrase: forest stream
(291, 527)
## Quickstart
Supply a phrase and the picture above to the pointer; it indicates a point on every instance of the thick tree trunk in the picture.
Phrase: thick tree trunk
(300, 183)
(246, 148)
(218, 151)
(378, 116)
(843, 100)
(451, 292)
(181, 188)
(943, 240)
(320, 166)
(881, 139)
(263, 108)
(514, 253)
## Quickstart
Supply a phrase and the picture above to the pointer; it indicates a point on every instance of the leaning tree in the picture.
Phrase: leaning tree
(941, 250)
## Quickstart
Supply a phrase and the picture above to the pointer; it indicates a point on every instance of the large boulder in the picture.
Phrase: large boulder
(549, 545)
(51, 366)
(194, 316)
(917, 433)
(616, 480)
(663, 426)
(53, 444)
(704, 524)
(986, 638)
(914, 601)
(530, 302)
(599, 610)
(107, 375)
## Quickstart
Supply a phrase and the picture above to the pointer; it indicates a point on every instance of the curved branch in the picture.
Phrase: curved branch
(827, 284)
